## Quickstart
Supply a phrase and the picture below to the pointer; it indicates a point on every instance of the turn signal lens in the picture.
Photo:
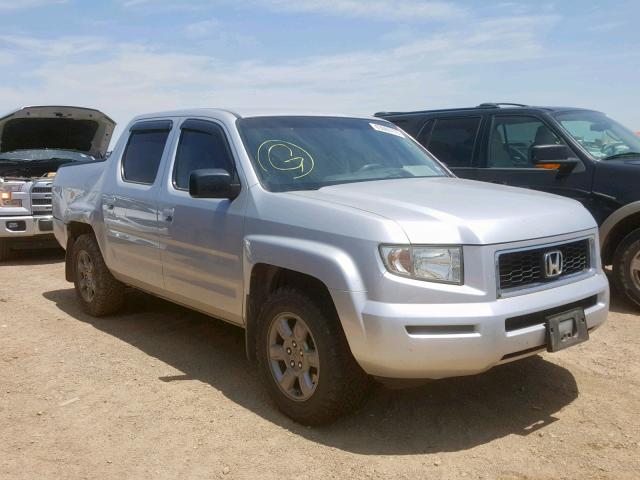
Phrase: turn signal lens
(397, 259)
(6, 194)
(548, 166)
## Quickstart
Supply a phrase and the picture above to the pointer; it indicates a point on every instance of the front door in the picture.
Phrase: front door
(508, 161)
(202, 238)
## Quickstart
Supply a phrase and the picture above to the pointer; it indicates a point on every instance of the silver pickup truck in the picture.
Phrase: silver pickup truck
(339, 244)
(34, 142)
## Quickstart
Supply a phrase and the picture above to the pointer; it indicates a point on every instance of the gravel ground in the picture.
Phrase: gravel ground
(161, 392)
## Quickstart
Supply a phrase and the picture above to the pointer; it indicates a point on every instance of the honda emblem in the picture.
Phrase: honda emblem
(553, 264)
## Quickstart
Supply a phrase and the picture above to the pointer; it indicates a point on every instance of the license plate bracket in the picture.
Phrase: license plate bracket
(566, 329)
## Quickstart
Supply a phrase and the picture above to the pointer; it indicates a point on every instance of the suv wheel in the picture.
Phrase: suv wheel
(5, 250)
(98, 291)
(305, 360)
(626, 267)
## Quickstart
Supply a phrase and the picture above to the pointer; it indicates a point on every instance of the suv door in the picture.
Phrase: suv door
(130, 206)
(507, 157)
(202, 238)
(453, 141)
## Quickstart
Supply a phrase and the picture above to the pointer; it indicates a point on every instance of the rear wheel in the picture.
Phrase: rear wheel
(305, 360)
(98, 291)
(5, 250)
(626, 267)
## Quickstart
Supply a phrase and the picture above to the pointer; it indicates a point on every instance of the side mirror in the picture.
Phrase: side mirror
(554, 157)
(213, 183)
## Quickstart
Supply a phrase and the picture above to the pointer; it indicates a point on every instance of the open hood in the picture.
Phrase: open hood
(62, 128)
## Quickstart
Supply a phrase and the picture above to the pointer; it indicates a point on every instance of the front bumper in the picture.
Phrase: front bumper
(445, 340)
(26, 226)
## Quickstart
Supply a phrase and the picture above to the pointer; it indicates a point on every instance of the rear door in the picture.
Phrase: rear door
(202, 238)
(454, 141)
(130, 206)
(507, 158)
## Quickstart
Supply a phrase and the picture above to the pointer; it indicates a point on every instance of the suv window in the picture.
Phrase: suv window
(512, 138)
(142, 156)
(202, 145)
(452, 140)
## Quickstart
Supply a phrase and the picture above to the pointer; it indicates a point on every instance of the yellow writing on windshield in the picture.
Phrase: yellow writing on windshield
(285, 157)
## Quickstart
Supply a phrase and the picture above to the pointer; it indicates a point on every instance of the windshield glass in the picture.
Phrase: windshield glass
(602, 137)
(305, 153)
(44, 154)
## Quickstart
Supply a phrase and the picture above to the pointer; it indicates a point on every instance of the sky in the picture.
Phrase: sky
(128, 57)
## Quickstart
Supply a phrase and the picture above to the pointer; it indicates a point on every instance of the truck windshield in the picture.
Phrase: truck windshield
(307, 153)
(602, 137)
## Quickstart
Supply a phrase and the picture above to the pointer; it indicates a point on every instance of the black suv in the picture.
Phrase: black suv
(573, 152)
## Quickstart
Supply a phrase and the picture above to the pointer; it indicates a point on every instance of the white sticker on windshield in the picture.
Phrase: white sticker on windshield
(385, 129)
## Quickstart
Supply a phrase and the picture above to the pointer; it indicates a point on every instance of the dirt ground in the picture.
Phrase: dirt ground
(162, 392)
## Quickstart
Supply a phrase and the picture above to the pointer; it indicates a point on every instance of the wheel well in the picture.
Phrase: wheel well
(623, 228)
(74, 230)
(266, 279)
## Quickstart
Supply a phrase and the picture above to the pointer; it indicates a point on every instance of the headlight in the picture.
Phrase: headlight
(433, 264)
(6, 194)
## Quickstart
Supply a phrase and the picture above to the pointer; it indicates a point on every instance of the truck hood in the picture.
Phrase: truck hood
(443, 210)
(63, 128)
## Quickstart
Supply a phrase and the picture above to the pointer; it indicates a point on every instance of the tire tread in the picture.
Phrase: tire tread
(109, 295)
(349, 384)
(628, 247)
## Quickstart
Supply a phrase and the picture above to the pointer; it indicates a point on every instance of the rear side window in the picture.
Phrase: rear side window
(143, 154)
(452, 140)
(202, 145)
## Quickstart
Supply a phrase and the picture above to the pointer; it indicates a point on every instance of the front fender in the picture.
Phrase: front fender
(616, 217)
(334, 267)
(331, 265)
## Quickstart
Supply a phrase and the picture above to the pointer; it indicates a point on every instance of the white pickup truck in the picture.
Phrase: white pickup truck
(339, 244)
(34, 142)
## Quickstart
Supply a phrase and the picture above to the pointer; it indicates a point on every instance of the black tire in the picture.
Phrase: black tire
(5, 250)
(108, 293)
(623, 277)
(341, 384)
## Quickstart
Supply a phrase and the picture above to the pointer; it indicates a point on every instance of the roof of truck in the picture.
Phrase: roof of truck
(489, 106)
(245, 113)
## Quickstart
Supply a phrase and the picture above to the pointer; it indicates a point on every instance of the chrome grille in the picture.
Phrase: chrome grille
(525, 268)
(41, 197)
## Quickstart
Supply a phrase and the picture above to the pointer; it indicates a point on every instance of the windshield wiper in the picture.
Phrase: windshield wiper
(625, 154)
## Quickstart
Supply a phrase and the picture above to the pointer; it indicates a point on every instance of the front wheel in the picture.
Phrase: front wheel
(98, 291)
(626, 267)
(305, 360)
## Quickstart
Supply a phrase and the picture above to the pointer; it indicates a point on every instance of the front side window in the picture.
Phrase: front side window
(142, 156)
(512, 139)
(602, 137)
(304, 153)
(453, 140)
(200, 149)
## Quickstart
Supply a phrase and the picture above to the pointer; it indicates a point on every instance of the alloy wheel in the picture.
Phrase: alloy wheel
(293, 358)
(86, 276)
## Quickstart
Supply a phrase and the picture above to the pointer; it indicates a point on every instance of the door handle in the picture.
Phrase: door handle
(110, 202)
(168, 215)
